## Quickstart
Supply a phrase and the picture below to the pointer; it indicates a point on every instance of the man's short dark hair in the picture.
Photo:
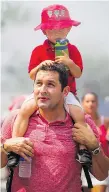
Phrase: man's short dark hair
(60, 69)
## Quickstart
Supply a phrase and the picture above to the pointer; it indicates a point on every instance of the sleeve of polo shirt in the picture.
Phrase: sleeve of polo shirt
(34, 59)
(6, 129)
(76, 56)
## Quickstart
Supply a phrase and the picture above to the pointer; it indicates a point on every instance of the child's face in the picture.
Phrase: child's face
(54, 34)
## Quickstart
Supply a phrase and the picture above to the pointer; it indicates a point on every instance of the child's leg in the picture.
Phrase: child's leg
(21, 122)
(78, 116)
(74, 108)
(76, 112)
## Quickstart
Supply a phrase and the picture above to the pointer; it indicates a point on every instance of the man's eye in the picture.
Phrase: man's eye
(51, 85)
(38, 83)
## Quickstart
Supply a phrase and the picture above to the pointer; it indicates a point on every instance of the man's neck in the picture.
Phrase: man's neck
(53, 115)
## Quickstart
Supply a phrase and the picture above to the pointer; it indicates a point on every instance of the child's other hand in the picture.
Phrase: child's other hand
(46, 62)
(63, 59)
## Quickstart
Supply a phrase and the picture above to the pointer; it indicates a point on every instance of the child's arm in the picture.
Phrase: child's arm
(33, 72)
(21, 122)
(74, 69)
(73, 61)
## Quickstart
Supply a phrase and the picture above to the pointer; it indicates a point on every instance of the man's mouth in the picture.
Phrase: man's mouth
(43, 98)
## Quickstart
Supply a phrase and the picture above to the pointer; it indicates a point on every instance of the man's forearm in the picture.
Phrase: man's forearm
(3, 158)
(74, 69)
(100, 166)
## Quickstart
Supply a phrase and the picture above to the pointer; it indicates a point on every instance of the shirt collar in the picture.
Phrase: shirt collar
(48, 45)
(62, 122)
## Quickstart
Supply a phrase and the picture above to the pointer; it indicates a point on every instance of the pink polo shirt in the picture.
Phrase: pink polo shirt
(54, 167)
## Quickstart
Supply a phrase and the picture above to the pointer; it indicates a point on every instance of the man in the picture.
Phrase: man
(51, 146)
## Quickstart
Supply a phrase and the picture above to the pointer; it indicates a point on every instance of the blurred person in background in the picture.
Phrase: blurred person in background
(90, 105)
(15, 104)
(95, 86)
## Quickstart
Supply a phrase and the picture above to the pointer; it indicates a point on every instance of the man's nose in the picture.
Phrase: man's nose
(43, 89)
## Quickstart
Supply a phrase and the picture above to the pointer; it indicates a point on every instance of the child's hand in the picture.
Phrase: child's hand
(63, 59)
(46, 62)
(34, 71)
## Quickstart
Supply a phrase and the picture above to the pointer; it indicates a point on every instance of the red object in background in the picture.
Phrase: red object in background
(104, 142)
(17, 102)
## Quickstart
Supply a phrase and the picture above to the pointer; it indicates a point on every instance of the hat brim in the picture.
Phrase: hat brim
(57, 25)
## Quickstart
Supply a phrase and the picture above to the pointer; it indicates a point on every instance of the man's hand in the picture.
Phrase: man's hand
(63, 59)
(85, 136)
(21, 146)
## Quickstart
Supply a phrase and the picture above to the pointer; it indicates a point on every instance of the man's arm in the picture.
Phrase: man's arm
(6, 130)
(3, 157)
(85, 136)
(100, 165)
(19, 145)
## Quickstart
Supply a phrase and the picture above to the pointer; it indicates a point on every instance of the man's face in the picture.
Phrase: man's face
(54, 34)
(47, 90)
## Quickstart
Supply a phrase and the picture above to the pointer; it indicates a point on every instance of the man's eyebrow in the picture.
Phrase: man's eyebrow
(38, 80)
(51, 81)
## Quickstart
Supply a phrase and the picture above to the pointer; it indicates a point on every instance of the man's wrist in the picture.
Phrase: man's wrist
(94, 144)
(97, 150)
(4, 149)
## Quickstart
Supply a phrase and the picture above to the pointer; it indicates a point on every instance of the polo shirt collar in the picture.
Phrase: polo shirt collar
(48, 45)
(62, 122)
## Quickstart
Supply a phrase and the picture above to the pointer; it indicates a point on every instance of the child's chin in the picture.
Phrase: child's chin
(52, 41)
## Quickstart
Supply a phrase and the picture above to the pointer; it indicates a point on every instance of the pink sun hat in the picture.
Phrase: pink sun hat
(56, 17)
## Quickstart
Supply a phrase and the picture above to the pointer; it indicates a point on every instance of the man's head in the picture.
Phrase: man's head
(50, 86)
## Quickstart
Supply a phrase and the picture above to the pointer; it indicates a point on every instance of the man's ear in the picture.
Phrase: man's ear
(66, 90)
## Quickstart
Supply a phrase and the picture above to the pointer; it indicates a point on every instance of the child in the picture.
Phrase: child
(56, 24)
